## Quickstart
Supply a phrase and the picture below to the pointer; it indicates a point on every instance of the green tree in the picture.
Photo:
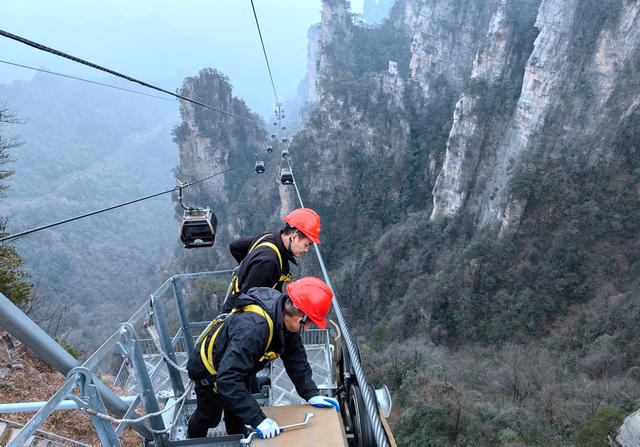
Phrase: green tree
(605, 421)
(14, 281)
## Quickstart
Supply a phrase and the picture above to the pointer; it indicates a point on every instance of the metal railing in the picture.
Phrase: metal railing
(50, 437)
(93, 394)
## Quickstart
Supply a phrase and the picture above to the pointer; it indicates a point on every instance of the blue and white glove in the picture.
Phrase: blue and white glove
(268, 428)
(324, 401)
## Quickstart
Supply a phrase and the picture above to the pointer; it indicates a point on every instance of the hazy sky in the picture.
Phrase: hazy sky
(163, 41)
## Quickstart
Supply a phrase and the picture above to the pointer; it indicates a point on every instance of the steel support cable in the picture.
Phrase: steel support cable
(84, 80)
(109, 418)
(369, 402)
(41, 47)
(264, 51)
(156, 341)
(175, 188)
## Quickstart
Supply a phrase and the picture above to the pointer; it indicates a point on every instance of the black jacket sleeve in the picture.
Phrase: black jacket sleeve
(263, 270)
(239, 248)
(295, 362)
(248, 335)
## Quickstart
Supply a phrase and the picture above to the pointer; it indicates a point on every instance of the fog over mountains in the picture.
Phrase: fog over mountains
(88, 147)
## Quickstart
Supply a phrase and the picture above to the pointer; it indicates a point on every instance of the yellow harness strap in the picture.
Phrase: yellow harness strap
(206, 353)
(258, 243)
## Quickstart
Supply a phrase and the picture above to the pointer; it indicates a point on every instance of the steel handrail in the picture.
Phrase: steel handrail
(46, 410)
(46, 433)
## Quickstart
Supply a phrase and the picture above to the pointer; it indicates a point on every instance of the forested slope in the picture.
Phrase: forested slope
(475, 166)
(87, 147)
(480, 204)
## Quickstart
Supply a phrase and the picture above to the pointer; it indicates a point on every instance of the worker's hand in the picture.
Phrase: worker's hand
(268, 428)
(323, 401)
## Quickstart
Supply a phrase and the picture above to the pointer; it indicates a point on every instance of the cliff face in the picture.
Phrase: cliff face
(513, 67)
(445, 39)
(213, 143)
(584, 88)
(476, 168)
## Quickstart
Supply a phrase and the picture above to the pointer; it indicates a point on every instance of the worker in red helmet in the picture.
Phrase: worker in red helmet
(264, 325)
(264, 259)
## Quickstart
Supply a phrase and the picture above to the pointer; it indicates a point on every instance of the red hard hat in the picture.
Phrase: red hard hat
(313, 297)
(307, 221)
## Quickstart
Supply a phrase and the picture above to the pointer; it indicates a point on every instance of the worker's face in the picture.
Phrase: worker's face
(300, 244)
(293, 323)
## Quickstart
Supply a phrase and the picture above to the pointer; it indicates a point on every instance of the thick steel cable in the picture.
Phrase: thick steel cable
(41, 47)
(120, 205)
(264, 51)
(372, 411)
(84, 80)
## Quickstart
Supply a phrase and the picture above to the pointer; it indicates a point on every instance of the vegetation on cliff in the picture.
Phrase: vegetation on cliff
(523, 340)
(15, 281)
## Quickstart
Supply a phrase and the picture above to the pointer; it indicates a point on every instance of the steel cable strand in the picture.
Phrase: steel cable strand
(156, 341)
(372, 412)
(42, 70)
(120, 205)
(264, 51)
(41, 47)
(109, 418)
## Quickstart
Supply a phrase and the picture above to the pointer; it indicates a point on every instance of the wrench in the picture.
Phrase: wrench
(247, 440)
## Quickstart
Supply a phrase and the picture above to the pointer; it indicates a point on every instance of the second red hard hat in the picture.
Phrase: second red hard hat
(307, 221)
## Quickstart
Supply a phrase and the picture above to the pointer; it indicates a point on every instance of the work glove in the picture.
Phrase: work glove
(268, 428)
(323, 401)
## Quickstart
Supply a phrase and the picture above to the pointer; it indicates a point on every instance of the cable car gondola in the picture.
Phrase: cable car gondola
(269, 148)
(198, 228)
(259, 167)
(285, 140)
(273, 136)
(286, 176)
(285, 153)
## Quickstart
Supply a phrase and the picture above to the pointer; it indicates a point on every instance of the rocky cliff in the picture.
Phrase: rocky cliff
(587, 80)
(511, 66)
(476, 168)
(214, 143)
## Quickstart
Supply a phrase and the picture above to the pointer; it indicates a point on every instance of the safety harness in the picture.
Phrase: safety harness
(206, 348)
(259, 243)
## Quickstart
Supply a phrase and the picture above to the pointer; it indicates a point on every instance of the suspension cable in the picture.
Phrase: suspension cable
(175, 188)
(115, 73)
(85, 80)
(372, 411)
(264, 51)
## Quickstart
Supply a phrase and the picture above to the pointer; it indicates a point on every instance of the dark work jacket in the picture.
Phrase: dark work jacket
(261, 267)
(240, 344)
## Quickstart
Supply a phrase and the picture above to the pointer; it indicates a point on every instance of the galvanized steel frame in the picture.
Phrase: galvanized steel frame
(23, 328)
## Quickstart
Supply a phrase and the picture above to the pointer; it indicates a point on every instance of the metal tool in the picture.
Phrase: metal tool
(247, 440)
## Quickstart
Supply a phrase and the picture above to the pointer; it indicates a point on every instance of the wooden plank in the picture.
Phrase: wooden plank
(325, 429)
(387, 429)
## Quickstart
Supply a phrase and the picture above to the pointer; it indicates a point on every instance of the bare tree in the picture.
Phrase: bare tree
(7, 142)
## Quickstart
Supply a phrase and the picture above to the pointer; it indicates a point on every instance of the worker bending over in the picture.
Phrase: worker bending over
(264, 259)
(264, 324)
